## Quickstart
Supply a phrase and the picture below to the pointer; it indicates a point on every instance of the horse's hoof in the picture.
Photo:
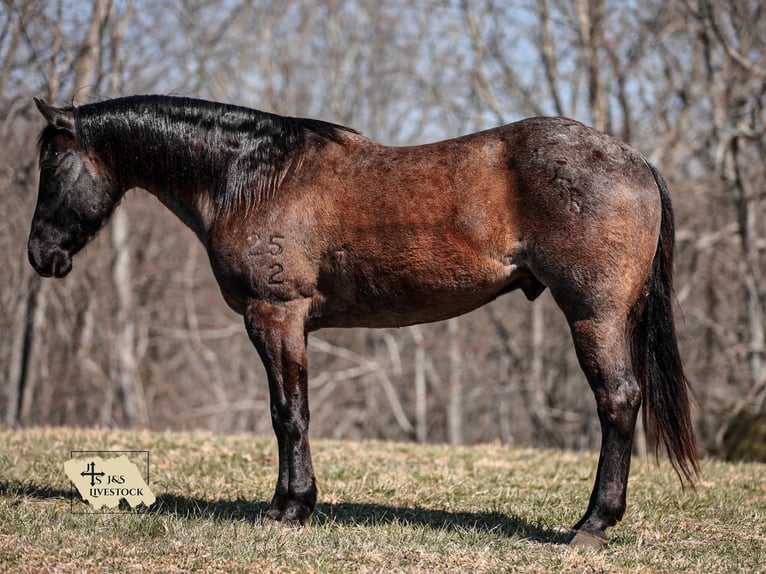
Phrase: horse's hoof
(272, 516)
(584, 539)
(296, 515)
(291, 517)
(282, 523)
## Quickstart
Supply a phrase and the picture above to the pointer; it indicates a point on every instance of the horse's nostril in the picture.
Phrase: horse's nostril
(62, 264)
(34, 253)
(39, 267)
(48, 260)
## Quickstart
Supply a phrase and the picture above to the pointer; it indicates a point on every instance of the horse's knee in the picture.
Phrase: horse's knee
(291, 419)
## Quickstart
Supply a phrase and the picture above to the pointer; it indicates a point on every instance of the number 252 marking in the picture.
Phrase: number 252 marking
(276, 248)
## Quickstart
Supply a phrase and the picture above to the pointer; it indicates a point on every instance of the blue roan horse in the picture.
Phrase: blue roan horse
(310, 225)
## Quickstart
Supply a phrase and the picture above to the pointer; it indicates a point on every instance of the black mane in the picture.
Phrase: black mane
(238, 153)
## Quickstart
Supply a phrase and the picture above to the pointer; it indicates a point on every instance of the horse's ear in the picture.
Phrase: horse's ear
(59, 118)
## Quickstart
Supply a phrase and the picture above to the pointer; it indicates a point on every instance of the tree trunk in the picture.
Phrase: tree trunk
(22, 377)
(455, 408)
(130, 396)
(590, 17)
(421, 396)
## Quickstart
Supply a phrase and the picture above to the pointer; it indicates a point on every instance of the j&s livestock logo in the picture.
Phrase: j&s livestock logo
(103, 482)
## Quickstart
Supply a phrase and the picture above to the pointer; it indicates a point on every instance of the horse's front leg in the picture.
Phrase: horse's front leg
(278, 332)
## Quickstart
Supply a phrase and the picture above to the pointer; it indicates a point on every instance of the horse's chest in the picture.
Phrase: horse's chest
(261, 265)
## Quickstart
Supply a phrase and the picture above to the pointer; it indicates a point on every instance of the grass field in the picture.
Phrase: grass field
(384, 507)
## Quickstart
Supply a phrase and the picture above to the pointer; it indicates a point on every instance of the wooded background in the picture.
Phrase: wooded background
(138, 334)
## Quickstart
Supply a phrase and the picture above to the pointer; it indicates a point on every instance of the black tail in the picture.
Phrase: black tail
(656, 361)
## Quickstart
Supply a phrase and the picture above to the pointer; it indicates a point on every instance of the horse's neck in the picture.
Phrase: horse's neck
(189, 199)
(194, 210)
(198, 177)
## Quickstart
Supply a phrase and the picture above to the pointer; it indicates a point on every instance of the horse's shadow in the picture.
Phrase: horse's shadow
(345, 513)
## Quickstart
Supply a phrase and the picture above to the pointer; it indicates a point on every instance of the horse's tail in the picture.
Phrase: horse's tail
(656, 360)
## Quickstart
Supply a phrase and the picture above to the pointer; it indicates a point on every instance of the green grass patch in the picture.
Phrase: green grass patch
(384, 507)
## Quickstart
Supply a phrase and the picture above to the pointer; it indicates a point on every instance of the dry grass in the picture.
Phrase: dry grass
(383, 508)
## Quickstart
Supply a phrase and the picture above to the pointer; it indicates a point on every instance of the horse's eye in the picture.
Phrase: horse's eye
(52, 150)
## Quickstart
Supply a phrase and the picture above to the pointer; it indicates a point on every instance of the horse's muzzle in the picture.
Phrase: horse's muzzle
(49, 260)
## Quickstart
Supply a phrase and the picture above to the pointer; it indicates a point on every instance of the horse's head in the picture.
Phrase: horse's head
(75, 198)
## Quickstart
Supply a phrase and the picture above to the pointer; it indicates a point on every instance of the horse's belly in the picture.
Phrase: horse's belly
(410, 289)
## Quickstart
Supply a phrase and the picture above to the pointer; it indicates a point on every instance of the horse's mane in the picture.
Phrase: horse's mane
(240, 154)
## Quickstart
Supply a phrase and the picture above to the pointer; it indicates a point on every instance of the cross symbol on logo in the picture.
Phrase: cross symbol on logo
(91, 471)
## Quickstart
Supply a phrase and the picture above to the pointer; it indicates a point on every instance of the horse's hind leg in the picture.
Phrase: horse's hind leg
(602, 349)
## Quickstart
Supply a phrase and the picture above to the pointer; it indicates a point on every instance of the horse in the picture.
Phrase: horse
(309, 224)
